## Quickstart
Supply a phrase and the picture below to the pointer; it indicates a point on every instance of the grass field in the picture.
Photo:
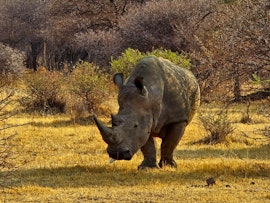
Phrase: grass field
(62, 161)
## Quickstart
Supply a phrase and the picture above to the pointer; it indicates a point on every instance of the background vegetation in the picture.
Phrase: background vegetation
(226, 41)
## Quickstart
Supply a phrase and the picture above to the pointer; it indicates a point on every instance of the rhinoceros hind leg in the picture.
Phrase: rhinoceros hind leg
(173, 134)
(149, 153)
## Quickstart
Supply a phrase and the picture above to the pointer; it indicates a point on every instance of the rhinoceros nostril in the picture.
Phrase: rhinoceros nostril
(119, 154)
(127, 155)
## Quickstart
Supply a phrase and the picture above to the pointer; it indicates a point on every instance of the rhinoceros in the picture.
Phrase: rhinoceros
(158, 99)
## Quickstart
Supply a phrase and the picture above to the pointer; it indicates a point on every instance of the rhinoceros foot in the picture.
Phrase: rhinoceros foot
(167, 162)
(148, 163)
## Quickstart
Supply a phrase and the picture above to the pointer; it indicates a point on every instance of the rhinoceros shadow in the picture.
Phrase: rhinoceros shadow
(61, 177)
(108, 175)
(258, 153)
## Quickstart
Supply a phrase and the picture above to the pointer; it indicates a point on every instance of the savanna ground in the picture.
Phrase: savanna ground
(64, 161)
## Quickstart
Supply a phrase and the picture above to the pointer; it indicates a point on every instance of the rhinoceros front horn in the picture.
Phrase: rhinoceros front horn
(107, 133)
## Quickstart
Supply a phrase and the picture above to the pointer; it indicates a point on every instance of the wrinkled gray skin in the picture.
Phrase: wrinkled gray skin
(158, 99)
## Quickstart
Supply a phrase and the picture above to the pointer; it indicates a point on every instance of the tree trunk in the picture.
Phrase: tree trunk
(34, 55)
(237, 90)
(45, 54)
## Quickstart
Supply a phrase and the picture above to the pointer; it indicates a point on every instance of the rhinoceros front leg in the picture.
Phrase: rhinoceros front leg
(149, 153)
(173, 134)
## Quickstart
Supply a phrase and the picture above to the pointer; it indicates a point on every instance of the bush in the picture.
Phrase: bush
(229, 54)
(130, 57)
(100, 46)
(11, 64)
(88, 88)
(217, 126)
(44, 92)
(168, 24)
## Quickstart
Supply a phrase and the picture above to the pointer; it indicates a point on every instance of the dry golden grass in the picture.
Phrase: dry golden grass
(67, 162)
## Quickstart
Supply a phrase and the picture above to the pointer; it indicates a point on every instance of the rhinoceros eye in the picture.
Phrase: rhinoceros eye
(136, 125)
(117, 120)
(117, 123)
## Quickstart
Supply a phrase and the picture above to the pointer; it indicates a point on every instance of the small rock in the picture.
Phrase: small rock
(210, 181)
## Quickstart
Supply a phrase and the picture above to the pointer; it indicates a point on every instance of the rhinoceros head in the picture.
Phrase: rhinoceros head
(132, 125)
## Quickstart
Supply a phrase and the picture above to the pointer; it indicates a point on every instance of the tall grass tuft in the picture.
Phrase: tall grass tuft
(217, 126)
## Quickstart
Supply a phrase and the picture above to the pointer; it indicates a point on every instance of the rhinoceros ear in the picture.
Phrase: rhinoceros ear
(118, 79)
(140, 86)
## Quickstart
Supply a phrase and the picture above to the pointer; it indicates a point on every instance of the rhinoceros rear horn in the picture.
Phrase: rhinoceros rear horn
(106, 132)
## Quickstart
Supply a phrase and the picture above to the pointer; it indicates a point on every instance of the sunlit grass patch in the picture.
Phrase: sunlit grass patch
(68, 162)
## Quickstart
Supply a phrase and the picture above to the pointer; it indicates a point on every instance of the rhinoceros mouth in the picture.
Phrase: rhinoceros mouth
(123, 154)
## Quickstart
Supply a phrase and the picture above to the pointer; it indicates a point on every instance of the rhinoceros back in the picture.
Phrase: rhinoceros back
(182, 88)
(173, 90)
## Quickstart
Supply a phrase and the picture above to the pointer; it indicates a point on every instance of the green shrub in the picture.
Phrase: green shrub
(257, 80)
(175, 57)
(44, 92)
(130, 57)
(88, 87)
(126, 61)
